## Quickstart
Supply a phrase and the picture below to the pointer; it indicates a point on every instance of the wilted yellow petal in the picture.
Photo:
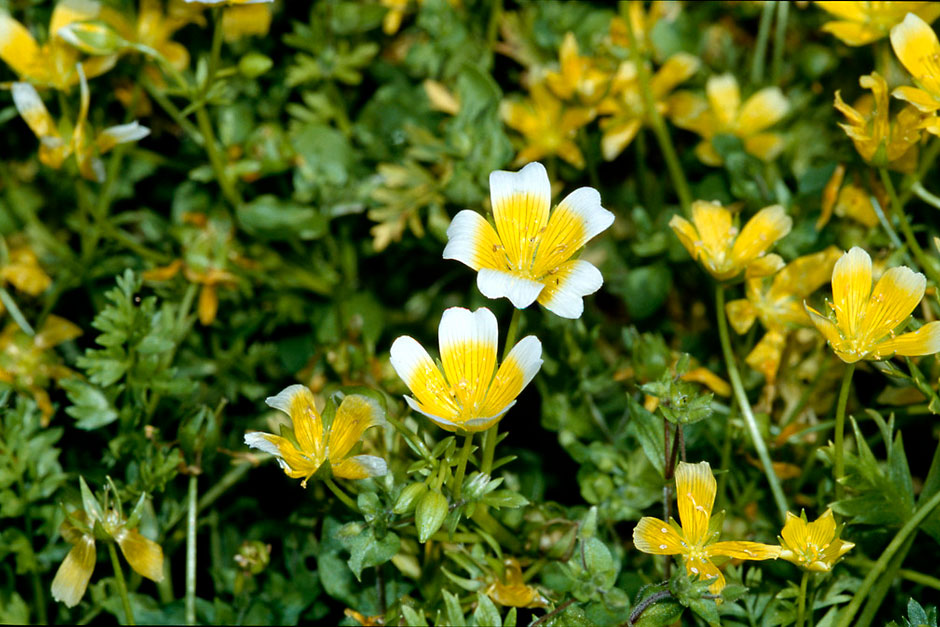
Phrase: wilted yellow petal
(56, 330)
(145, 556)
(709, 379)
(208, 304)
(163, 274)
(73, 575)
(741, 314)
(766, 355)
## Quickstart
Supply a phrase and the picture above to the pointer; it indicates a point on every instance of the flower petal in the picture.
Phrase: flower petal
(32, 110)
(424, 379)
(440, 421)
(355, 414)
(923, 341)
(853, 33)
(617, 137)
(297, 402)
(766, 355)
(677, 69)
(56, 330)
(760, 233)
(765, 146)
(520, 291)
(73, 575)
(897, 293)
(652, 535)
(294, 463)
(695, 492)
(145, 556)
(703, 568)
(576, 219)
(516, 371)
(468, 353)
(917, 97)
(915, 44)
(764, 266)
(744, 550)
(724, 96)
(824, 326)
(360, 467)
(120, 134)
(687, 235)
(851, 286)
(472, 241)
(762, 110)
(18, 49)
(566, 288)
(714, 229)
(520, 210)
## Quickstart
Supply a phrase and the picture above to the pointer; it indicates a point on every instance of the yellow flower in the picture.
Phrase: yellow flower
(916, 45)
(865, 320)
(155, 27)
(22, 271)
(528, 256)
(694, 540)
(548, 127)
(54, 62)
(396, 11)
(302, 449)
(577, 76)
(642, 22)
(28, 364)
(466, 397)
(245, 21)
(514, 591)
(721, 112)
(780, 307)
(54, 149)
(862, 23)
(230, 3)
(144, 556)
(877, 140)
(626, 107)
(714, 241)
(849, 201)
(814, 545)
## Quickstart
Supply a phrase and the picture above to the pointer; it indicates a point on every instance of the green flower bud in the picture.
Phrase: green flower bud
(409, 497)
(429, 514)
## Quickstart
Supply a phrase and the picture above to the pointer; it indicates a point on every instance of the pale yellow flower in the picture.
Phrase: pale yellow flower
(22, 270)
(861, 23)
(877, 139)
(695, 493)
(916, 45)
(863, 321)
(528, 256)
(779, 306)
(249, 20)
(513, 591)
(548, 127)
(721, 112)
(814, 546)
(471, 394)
(713, 240)
(309, 443)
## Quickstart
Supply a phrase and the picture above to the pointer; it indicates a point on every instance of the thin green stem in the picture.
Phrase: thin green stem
(878, 592)
(174, 112)
(512, 332)
(121, 584)
(912, 243)
(191, 504)
(462, 465)
(780, 39)
(39, 597)
(342, 496)
(911, 575)
(760, 48)
(493, 527)
(725, 461)
(845, 618)
(744, 404)
(838, 466)
(921, 192)
(7, 299)
(492, 434)
(801, 607)
(656, 120)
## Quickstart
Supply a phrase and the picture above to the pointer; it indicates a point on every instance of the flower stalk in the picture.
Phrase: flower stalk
(121, 584)
(191, 510)
(462, 464)
(492, 434)
(838, 469)
(801, 607)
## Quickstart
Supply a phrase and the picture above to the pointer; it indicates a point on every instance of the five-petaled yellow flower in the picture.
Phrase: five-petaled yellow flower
(861, 23)
(880, 141)
(22, 271)
(528, 256)
(779, 307)
(547, 125)
(713, 240)
(694, 540)
(144, 555)
(513, 591)
(303, 449)
(466, 397)
(814, 545)
(577, 76)
(916, 45)
(721, 112)
(865, 319)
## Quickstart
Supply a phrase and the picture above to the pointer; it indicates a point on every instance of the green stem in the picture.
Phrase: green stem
(838, 467)
(878, 592)
(462, 465)
(492, 434)
(744, 404)
(493, 527)
(190, 605)
(780, 39)
(342, 496)
(760, 49)
(656, 120)
(906, 229)
(911, 575)
(7, 299)
(801, 608)
(174, 112)
(845, 618)
(512, 332)
(725, 461)
(921, 192)
(121, 584)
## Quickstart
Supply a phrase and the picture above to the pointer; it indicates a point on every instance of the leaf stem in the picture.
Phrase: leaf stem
(838, 466)
(190, 603)
(740, 396)
(121, 584)
(342, 496)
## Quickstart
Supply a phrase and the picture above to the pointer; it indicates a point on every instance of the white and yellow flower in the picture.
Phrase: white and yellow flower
(528, 256)
(471, 394)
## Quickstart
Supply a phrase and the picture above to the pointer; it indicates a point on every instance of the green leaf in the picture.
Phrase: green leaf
(486, 614)
(272, 218)
(648, 429)
(452, 609)
(365, 549)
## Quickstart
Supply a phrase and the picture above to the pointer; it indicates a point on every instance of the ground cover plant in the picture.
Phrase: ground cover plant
(469, 312)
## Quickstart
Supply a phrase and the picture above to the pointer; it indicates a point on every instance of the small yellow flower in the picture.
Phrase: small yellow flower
(466, 397)
(861, 23)
(916, 45)
(865, 319)
(713, 240)
(54, 149)
(548, 127)
(577, 76)
(528, 256)
(626, 107)
(513, 591)
(814, 545)
(642, 22)
(53, 63)
(721, 112)
(144, 555)
(22, 271)
(155, 27)
(246, 21)
(878, 140)
(849, 201)
(304, 448)
(694, 540)
(28, 363)
(780, 307)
